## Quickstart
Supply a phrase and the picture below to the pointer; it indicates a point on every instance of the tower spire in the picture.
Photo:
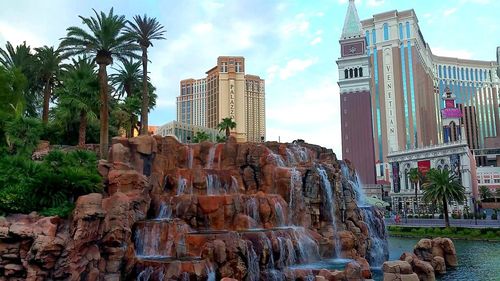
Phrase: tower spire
(352, 25)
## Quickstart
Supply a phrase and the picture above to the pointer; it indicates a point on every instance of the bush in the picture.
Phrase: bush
(494, 216)
(441, 216)
(22, 135)
(27, 186)
(62, 211)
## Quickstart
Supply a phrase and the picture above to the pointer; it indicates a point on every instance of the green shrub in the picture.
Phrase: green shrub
(22, 135)
(62, 211)
(494, 216)
(441, 216)
(27, 186)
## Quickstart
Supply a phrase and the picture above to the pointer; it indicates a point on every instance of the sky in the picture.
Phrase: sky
(293, 45)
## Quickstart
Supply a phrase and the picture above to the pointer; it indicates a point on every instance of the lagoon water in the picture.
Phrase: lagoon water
(477, 260)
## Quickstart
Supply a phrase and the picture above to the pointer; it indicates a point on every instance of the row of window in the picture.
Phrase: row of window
(463, 73)
(353, 72)
(387, 34)
(238, 67)
(488, 181)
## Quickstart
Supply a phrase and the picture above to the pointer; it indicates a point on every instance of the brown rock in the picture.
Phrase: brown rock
(400, 267)
(424, 270)
(319, 278)
(144, 144)
(408, 257)
(353, 271)
(400, 277)
(219, 251)
(120, 153)
(439, 265)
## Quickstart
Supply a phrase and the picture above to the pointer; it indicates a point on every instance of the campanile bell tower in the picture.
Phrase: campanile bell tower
(355, 99)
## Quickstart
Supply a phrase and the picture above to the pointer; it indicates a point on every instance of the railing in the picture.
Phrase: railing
(440, 222)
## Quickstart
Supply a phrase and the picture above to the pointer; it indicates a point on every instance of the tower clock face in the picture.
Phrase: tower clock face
(353, 49)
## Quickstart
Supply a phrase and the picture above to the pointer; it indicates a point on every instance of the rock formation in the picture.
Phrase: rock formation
(429, 257)
(171, 211)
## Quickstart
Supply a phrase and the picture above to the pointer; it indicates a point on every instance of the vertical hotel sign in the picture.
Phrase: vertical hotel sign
(231, 100)
(390, 107)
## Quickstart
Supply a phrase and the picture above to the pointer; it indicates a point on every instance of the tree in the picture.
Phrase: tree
(48, 67)
(415, 177)
(21, 58)
(79, 94)
(441, 186)
(226, 125)
(126, 80)
(485, 193)
(145, 30)
(201, 136)
(105, 41)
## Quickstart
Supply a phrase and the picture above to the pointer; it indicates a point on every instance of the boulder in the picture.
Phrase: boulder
(400, 277)
(438, 264)
(399, 267)
(424, 270)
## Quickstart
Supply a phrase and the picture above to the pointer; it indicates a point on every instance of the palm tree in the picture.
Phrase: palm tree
(201, 136)
(226, 125)
(126, 80)
(485, 192)
(145, 30)
(49, 60)
(105, 41)
(22, 59)
(415, 176)
(441, 186)
(79, 94)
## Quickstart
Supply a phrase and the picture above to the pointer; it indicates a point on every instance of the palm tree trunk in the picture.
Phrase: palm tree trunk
(228, 132)
(82, 130)
(145, 94)
(103, 91)
(46, 101)
(416, 197)
(132, 125)
(445, 209)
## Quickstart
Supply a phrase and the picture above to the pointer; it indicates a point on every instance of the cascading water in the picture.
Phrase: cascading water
(308, 248)
(329, 200)
(190, 156)
(165, 212)
(210, 272)
(211, 157)
(252, 209)
(145, 275)
(276, 159)
(213, 185)
(182, 186)
(252, 264)
(148, 243)
(296, 197)
(378, 251)
(280, 216)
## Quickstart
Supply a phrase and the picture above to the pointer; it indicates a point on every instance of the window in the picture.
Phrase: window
(346, 74)
(462, 76)
(444, 71)
(386, 31)
(223, 67)
(238, 67)
(496, 180)
(476, 75)
(355, 72)
(486, 181)
(360, 72)
(408, 30)
(449, 71)
(454, 73)
(401, 31)
(440, 73)
(351, 73)
(467, 73)
(367, 38)
(374, 37)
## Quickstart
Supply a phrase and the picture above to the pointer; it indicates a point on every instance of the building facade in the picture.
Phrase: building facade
(355, 98)
(185, 132)
(489, 177)
(407, 82)
(454, 156)
(226, 92)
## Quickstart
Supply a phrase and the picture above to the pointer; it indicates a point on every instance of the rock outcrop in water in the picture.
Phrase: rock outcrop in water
(247, 211)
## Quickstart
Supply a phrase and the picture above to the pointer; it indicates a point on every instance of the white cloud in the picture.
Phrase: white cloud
(299, 25)
(375, 3)
(315, 41)
(295, 66)
(312, 115)
(16, 35)
(449, 12)
(454, 53)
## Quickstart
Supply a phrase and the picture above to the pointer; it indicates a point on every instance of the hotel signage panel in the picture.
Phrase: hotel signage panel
(390, 107)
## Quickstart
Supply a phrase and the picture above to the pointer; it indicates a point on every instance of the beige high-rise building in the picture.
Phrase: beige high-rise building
(228, 92)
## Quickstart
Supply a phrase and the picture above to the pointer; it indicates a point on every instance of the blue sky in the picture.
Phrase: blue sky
(291, 44)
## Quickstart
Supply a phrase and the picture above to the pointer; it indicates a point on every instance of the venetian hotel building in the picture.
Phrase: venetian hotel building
(406, 85)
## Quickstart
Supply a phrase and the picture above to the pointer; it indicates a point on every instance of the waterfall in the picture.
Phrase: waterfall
(182, 186)
(147, 242)
(253, 270)
(378, 251)
(291, 258)
(145, 275)
(252, 209)
(290, 157)
(296, 197)
(308, 248)
(190, 157)
(280, 216)
(276, 159)
(165, 212)
(213, 185)
(234, 189)
(211, 157)
(328, 200)
(210, 272)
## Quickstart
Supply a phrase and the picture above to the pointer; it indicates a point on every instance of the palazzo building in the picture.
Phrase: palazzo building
(226, 91)
(406, 83)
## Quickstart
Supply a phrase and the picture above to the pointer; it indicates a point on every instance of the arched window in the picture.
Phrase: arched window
(374, 36)
(467, 73)
(351, 74)
(400, 31)
(386, 31)
(444, 71)
(449, 71)
(360, 72)
(440, 72)
(476, 75)
(367, 38)
(454, 73)
(346, 74)
(462, 75)
(406, 179)
(408, 30)
(355, 72)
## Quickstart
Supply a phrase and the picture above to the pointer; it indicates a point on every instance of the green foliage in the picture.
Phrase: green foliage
(62, 211)
(451, 232)
(22, 135)
(201, 137)
(485, 192)
(27, 186)
(226, 125)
